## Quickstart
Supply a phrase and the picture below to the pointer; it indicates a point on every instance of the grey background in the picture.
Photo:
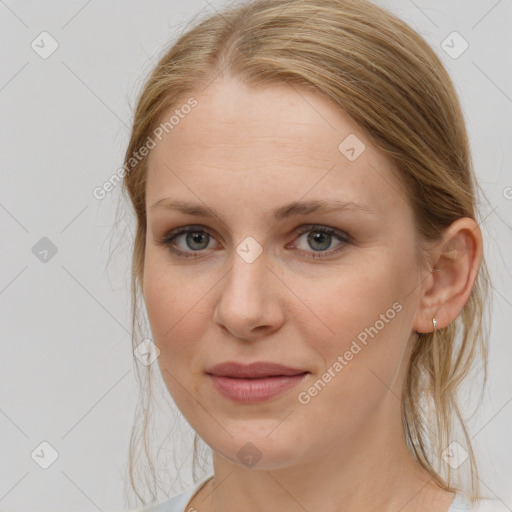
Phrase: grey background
(66, 364)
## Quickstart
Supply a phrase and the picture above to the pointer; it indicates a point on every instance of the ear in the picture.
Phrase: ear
(455, 262)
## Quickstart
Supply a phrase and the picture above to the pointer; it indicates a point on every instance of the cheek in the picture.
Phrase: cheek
(177, 321)
(344, 305)
(363, 316)
(361, 359)
(172, 306)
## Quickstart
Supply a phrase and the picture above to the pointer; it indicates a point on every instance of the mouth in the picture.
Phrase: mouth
(255, 370)
(255, 389)
(255, 382)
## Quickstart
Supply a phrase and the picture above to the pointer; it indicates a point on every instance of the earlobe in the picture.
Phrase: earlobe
(426, 320)
(434, 323)
(455, 267)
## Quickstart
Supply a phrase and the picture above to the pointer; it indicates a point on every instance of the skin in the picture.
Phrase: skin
(244, 152)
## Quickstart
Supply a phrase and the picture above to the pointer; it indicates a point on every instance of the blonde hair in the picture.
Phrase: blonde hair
(391, 82)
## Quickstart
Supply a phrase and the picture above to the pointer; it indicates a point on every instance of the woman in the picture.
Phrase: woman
(309, 256)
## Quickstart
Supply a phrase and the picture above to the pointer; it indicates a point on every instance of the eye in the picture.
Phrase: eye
(320, 239)
(190, 241)
(193, 239)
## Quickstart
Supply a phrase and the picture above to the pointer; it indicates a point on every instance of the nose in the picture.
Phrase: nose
(250, 301)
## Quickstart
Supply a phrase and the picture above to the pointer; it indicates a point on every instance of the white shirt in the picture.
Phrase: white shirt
(179, 502)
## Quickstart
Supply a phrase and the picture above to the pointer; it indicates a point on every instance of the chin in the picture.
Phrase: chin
(260, 452)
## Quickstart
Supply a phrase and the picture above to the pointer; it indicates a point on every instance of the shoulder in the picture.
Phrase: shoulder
(177, 503)
(460, 504)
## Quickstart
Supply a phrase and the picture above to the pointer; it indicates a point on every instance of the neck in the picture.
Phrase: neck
(370, 469)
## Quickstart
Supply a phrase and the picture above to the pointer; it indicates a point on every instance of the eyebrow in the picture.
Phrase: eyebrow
(288, 210)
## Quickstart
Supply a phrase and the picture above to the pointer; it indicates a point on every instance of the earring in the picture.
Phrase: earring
(434, 321)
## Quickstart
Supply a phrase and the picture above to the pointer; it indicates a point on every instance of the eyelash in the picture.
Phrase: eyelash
(168, 240)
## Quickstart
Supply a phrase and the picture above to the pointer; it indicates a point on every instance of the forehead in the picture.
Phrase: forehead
(280, 140)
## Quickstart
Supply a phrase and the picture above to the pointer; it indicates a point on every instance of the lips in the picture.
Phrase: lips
(259, 369)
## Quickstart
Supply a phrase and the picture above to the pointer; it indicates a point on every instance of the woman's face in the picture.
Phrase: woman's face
(248, 286)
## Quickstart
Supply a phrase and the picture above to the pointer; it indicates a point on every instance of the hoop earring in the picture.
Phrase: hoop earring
(434, 322)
